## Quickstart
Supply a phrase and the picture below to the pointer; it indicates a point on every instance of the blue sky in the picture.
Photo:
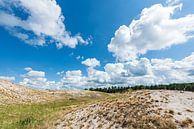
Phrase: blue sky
(97, 20)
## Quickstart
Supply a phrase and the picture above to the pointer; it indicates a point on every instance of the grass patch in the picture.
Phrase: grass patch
(26, 122)
(35, 116)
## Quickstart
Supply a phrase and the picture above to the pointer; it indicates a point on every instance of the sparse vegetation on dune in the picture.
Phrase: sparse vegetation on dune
(37, 111)
(143, 109)
(133, 111)
(39, 115)
(129, 109)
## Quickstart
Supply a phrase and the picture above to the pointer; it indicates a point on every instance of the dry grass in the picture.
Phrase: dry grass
(171, 112)
(189, 110)
(186, 122)
(126, 113)
(179, 113)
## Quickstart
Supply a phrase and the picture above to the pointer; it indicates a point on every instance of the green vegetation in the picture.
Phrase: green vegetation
(180, 86)
(34, 116)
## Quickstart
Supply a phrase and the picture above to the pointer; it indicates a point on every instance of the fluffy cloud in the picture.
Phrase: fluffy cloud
(147, 72)
(91, 62)
(73, 79)
(7, 78)
(37, 79)
(139, 67)
(115, 72)
(150, 32)
(114, 69)
(156, 29)
(32, 73)
(97, 76)
(125, 73)
(142, 71)
(69, 80)
(28, 69)
(43, 22)
(170, 71)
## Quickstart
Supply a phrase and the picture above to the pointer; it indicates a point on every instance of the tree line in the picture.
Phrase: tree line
(119, 89)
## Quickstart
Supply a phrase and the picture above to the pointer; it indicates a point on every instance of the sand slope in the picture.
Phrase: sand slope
(137, 110)
(180, 105)
(157, 109)
(16, 94)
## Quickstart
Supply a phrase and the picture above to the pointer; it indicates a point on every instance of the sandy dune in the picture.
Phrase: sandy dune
(139, 110)
(157, 109)
(15, 94)
(179, 104)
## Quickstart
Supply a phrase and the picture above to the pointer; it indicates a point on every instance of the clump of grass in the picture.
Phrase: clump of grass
(162, 123)
(186, 122)
(179, 113)
(189, 110)
(171, 112)
(26, 121)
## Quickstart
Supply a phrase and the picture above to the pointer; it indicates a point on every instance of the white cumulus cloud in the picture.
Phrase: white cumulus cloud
(33, 73)
(156, 29)
(72, 79)
(43, 23)
(97, 76)
(141, 71)
(145, 71)
(91, 62)
(37, 79)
